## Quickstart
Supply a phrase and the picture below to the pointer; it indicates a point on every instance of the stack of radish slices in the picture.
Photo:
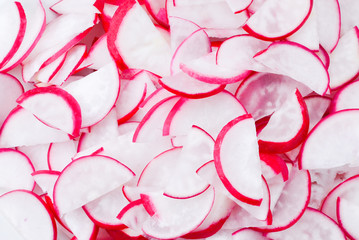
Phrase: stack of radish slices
(179, 119)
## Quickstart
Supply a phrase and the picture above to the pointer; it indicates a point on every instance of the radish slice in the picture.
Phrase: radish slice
(55, 41)
(277, 56)
(247, 233)
(345, 190)
(80, 6)
(60, 155)
(229, 149)
(157, 9)
(201, 112)
(96, 98)
(28, 214)
(80, 224)
(287, 127)
(314, 225)
(345, 56)
(348, 212)
(276, 19)
(346, 98)
(22, 123)
(46, 180)
(11, 34)
(180, 29)
(348, 19)
(239, 6)
(46, 73)
(14, 161)
(276, 91)
(10, 89)
(35, 25)
(72, 181)
(292, 202)
(328, 14)
(54, 107)
(137, 45)
(37, 154)
(173, 218)
(134, 215)
(325, 148)
(104, 210)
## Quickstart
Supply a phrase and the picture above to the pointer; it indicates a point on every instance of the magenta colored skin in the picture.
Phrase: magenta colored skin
(45, 206)
(333, 105)
(218, 164)
(156, 16)
(19, 37)
(281, 147)
(300, 46)
(69, 99)
(266, 38)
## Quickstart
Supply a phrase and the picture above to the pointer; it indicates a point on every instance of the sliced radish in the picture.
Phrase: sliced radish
(45, 74)
(346, 98)
(325, 148)
(287, 57)
(344, 60)
(80, 224)
(239, 6)
(276, 19)
(276, 90)
(96, 98)
(202, 112)
(37, 154)
(328, 14)
(313, 225)
(68, 6)
(180, 29)
(10, 89)
(28, 214)
(60, 155)
(55, 107)
(137, 45)
(230, 151)
(247, 233)
(157, 9)
(348, 18)
(14, 161)
(35, 25)
(102, 175)
(134, 215)
(173, 218)
(347, 213)
(277, 136)
(22, 123)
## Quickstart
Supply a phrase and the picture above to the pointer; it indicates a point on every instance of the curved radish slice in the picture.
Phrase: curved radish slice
(86, 179)
(204, 113)
(46, 180)
(236, 158)
(166, 163)
(10, 89)
(328, 14)
(276, 19)
(59, 36)
(194, 46)
(287, 58)
(132, 94)
(11, 162)
(180, 29)
(137, 45)
(98, 55)
(28, 214)
(80, 6)
(324, 56)
(272, 165)
(346, 98)
(96, 98)
(263, 93)
(172, 217)
(325, 148)
(348, 18)
(183, 85)
(239, 6)
(134, 215)
(12, 28)
(151, 126)
(157, 9)
(72, 60)
(103, 211)
(45, 74)
(60, 155)
(248, 233)
(216, 14)
(345, 56)
(237, 52)
(80, 224)
(54, 107)
(348, 213)
(21, 122)
(207, 70)
(344, 190)
(292, 202)
(35, 25)
(313, 225)
(37, 154)
(287, 127)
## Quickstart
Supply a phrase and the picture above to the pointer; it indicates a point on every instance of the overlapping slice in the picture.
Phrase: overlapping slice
(236, 158)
